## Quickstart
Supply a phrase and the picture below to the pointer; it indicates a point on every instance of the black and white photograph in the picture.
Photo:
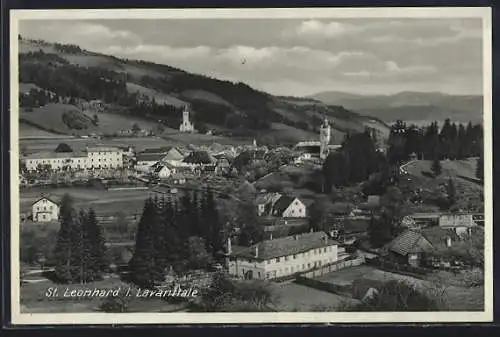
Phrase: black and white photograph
(251, 165)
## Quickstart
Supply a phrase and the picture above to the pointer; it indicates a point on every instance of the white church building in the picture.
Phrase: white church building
(186, 125)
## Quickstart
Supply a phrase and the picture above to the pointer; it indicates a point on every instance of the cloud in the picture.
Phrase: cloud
(85, 34)
(392, 67)
(319, 29)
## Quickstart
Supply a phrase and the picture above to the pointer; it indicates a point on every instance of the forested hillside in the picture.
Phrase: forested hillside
(66, 74)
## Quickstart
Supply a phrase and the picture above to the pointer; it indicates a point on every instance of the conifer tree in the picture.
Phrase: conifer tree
(480, 166)
(97, 245)
(451, 192)
(212, 222)
(62, 251)
(436, 166)
(143, 261)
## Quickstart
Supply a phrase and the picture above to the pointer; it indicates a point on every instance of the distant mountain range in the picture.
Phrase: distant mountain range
(418, 107)
(147, 92)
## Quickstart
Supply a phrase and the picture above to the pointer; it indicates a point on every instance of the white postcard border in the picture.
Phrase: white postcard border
(266, 317)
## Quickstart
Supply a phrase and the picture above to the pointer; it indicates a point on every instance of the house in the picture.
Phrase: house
(461, 224)
(265, 202)
(45, 209)
(178, 179)
(101, 157)
(145, 161)
(421, 247)
(282, 257)
(199, 158)
(163, 171)
(289, 207)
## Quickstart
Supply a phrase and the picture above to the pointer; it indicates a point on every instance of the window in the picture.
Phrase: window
(286, 270)
(44, 208)
(286, 258)
(51, 207)
(294, 256)
(268, 275)
(324, 250)
(309, 265)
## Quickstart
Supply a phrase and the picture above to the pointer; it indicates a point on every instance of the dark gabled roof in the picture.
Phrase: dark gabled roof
(162, 150)
(281, 205)
(199, 157)
(150, 157)
(410, 242)
(51, 199)
(158, 168)
(437, 235)
(285, 246)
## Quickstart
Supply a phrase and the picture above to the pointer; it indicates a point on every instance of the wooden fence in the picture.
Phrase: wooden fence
(334, 267)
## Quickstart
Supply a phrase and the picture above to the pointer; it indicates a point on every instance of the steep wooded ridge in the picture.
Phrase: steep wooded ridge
(154, 93)
(410, 106)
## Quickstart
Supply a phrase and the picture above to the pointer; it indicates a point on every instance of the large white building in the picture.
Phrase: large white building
(45, 210)
(281, 257)
(186, 125)
(91, 158)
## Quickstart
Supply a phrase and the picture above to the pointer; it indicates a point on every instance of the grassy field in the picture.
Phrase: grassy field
(458, 297)
(50, 118)
(103, 202)
(296, 297)
(466, 168)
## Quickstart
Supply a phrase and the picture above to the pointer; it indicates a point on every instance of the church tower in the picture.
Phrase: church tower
(186, 125)
(325, 134)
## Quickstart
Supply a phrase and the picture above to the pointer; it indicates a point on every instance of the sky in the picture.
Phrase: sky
(294, 57)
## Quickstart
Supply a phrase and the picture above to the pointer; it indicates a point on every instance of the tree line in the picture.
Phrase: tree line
(453, 141)
(176, 237)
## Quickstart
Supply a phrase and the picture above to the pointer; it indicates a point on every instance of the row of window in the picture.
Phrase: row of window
(305, 254)
(44, 208)
(294, 269)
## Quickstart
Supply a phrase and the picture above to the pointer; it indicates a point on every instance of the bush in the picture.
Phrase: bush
(119, 303)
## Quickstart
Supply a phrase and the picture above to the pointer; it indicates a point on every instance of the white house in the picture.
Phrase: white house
(91, 158)
(163, 171)
(283, 256)
(45, 210)
(289, 207)
(459, 223)
(104, 157)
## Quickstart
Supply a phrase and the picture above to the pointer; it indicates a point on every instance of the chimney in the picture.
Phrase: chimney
(448, 242)
(256, 250)
(271, 236)
(229, 248)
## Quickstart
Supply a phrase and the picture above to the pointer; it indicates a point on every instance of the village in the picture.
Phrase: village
(313, 260)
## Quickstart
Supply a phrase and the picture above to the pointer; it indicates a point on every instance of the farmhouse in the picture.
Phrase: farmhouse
(163, 171)
(420, 247)
(289, 207)
(145, 161)
(45, 209)
(459, 223)
(281, 257)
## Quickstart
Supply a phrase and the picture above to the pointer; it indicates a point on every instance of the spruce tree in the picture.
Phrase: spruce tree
(97, 245)
(451, 193)
(158, 232)
(436, 166)
(213, 224)
(142, 263)
(78, 259)
(62, 251)
(480, 166)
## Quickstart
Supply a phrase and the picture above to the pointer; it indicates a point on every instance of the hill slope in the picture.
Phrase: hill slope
(410, 106)
(157, 93)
